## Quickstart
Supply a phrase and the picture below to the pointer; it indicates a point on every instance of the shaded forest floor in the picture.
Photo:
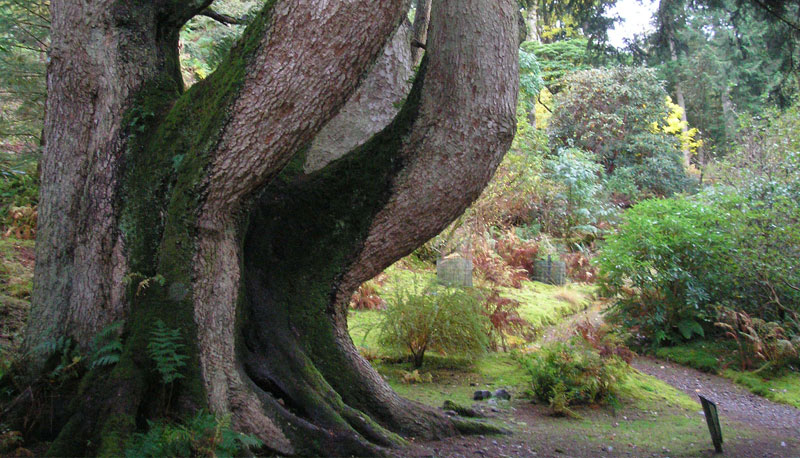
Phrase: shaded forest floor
(659, 413)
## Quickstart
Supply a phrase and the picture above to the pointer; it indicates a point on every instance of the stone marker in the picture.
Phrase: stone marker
(454, 271)
(550, 272)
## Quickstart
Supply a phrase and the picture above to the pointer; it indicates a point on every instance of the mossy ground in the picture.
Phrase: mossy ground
(540, 305)
(16, 282)
(783, 387)
(706, 356)
(546, 305)
(651, 419)
(720, 358)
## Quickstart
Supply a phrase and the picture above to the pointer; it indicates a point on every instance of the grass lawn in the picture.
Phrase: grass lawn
(546, 305)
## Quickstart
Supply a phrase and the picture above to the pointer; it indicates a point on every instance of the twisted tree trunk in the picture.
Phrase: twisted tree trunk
(197, 209)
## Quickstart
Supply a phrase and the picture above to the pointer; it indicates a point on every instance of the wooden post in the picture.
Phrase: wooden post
(712, 419)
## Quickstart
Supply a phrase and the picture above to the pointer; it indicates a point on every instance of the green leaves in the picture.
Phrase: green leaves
(422, 318)
(688, 328)
(530, 79)
(106, 347)
(164, 348)
(201, 435)
(572, 372)
(611, 113)
(23, 46)
(666, 265)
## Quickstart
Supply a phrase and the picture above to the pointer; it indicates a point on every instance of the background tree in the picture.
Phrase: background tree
(726, 58)
(192, 209)
(614, 113)
(23, 44)
(550, 21)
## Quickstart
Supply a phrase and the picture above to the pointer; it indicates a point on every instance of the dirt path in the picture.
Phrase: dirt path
(732, 401)
(536, 434)
(757, 427)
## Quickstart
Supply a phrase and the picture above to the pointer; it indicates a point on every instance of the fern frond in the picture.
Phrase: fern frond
(164, 348)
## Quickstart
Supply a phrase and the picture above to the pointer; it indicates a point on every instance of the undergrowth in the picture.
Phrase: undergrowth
(203, 435)
(570, 373)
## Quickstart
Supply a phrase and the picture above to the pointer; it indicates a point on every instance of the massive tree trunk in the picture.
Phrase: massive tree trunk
(197, 209)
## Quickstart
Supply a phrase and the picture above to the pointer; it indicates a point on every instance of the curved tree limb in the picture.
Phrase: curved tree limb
(221, 18)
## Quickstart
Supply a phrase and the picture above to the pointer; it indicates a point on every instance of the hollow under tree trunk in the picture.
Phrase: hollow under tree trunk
(207, 192)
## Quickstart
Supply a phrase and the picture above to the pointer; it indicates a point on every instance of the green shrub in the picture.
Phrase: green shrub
(618, 114)
(578, 182)
(573, 372)
(668, 262)
(763, 224)
(203, 435)
(607, 110)
(673, 262)
(421, 318)
(658, 176)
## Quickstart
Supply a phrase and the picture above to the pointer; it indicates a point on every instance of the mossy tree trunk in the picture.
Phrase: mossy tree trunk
(204, 198)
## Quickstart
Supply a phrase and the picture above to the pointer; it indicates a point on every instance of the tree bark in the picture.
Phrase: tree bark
(372, 107)
(687, 154)
(532, 21)
(195, 209)
(422, 19)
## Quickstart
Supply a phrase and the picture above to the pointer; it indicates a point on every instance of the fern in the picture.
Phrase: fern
(53, 346)
(164, 348)
(202, 435)
(68, 357)
(106, 347)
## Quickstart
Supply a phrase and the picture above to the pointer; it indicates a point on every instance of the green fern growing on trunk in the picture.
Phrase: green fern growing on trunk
(164, 348)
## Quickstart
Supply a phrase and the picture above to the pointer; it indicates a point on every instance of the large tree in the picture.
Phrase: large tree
(198, 209)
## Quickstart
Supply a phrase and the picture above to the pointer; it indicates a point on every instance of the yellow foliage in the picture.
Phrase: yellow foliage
(674, 125)
(416, 377)
(543, 115)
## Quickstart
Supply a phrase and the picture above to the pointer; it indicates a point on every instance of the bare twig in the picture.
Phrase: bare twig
(790, 285)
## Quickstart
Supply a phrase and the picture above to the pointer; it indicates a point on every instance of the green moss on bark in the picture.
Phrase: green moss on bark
(302, 237)
(170, 136)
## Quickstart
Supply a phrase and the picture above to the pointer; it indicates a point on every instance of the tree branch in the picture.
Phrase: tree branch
(791, 286)
(539, 99)
(467, 121)
(284, 93)
(776, 15)
(221, 18)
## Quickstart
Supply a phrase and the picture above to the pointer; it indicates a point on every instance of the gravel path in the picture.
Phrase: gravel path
(732, 401)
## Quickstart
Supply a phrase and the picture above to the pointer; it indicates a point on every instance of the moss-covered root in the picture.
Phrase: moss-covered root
(461, 410)
(103, 412)
(306, 406)
(472, 427)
